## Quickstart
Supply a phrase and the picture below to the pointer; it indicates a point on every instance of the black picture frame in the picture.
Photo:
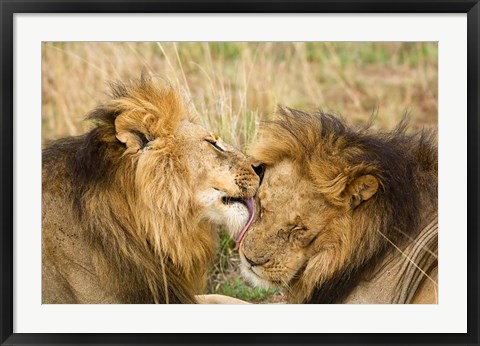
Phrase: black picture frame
(9, 7)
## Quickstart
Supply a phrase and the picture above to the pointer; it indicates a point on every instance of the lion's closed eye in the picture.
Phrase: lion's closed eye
(215, 144)
(303, 236)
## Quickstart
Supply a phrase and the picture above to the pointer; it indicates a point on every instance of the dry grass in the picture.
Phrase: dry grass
(234, 86)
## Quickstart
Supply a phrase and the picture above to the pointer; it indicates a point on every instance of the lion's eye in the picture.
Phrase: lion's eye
(303, 236)
(297, 231)
(214, 144)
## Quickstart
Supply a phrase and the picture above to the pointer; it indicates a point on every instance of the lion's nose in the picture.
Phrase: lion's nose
(260, 171)
(253, 263)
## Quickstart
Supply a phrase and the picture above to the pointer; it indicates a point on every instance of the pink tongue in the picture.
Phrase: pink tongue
(251, 212)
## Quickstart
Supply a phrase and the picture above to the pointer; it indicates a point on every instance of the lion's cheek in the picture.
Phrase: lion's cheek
(235, 218)
(209, 205)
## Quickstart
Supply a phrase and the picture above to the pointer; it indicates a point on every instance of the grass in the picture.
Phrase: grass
(238, 289)
(233, 86)
(224, 277)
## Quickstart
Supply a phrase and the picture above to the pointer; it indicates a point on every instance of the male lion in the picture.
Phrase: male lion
(345, 215)
(129, 208)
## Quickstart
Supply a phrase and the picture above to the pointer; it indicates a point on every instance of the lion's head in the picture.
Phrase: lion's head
(179, 163)
(147, 185)
(330, 197)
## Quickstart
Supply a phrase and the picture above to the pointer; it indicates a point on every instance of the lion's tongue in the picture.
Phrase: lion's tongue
(251, 213)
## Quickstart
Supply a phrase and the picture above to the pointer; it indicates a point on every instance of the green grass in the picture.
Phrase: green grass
(238, 289)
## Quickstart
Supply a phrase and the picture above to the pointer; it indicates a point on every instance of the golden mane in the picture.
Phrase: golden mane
(140, 223)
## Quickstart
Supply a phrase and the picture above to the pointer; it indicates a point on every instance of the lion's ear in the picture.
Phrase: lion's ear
(134, 140)
(361, 189)
(128, 133)
(132, 132)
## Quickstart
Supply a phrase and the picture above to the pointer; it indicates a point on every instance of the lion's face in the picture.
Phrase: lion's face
(300, 234)
(225, 180)
(218, 182)
(291, 216)
(308, 209)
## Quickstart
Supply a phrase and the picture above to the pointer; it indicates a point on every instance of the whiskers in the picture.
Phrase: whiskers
(408, 258)
(413, 240)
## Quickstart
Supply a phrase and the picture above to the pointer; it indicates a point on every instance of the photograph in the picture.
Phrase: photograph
(236, 172)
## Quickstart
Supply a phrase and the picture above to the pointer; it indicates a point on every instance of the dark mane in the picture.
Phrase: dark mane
(89, 164)
(404, 163)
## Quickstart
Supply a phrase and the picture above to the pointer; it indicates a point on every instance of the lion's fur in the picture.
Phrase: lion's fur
(118, 225)
(326, 157)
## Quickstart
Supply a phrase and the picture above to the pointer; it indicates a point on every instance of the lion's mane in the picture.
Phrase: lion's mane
(139, 226)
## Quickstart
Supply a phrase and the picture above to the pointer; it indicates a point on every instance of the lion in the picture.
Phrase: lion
(130, 209)
(345, 215)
